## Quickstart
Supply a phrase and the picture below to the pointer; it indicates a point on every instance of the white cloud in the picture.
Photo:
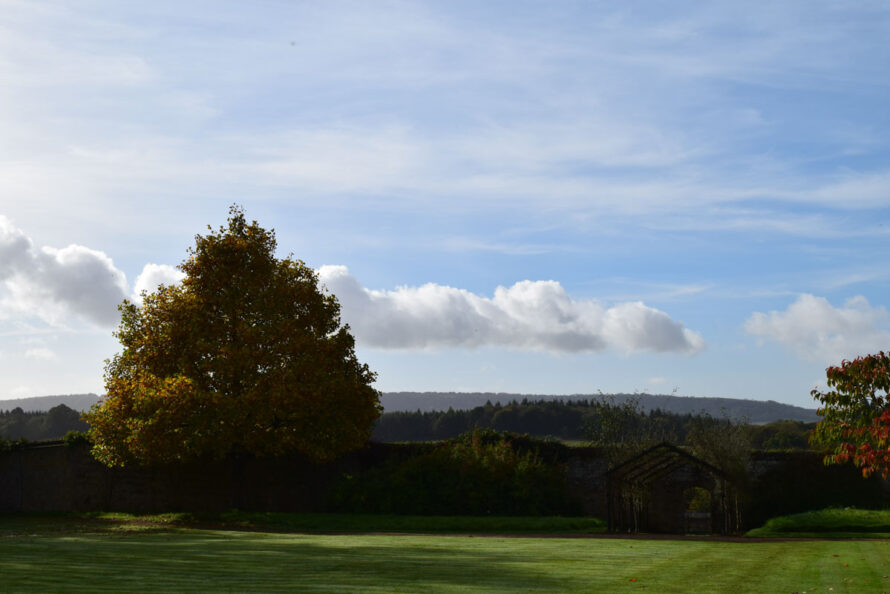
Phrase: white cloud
(15, 247)
(41, 353)
(152, 276)
(531, 315)
(818, 331)
(53, 283)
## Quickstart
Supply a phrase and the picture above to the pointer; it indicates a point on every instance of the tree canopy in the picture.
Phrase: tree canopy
(855, 414)
(246, 354)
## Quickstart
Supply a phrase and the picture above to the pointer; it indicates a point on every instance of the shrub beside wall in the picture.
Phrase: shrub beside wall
(480, 473)
(798, 481)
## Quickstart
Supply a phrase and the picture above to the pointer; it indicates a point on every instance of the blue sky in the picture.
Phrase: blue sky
(555, 198)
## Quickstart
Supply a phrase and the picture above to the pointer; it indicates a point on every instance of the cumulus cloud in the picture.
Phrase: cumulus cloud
(533, 315)
(54, 284)
(153, 276)
(818, 331)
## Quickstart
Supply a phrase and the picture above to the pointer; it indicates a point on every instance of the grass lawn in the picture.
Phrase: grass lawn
(156, 553)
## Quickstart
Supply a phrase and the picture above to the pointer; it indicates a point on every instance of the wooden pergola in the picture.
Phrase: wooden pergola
(648, 493)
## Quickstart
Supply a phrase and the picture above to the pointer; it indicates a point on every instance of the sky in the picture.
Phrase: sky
(541, 198)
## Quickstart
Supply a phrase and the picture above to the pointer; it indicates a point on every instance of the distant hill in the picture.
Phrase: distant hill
(753, 411)
(44, 403)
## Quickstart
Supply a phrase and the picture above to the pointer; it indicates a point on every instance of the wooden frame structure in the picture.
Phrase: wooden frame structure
(647, 493)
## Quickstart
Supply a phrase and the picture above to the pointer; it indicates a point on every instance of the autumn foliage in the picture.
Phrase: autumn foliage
(855, 414)
(247, 354)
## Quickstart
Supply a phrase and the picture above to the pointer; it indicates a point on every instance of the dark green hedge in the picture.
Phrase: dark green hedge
(796, 482)
(479, 473)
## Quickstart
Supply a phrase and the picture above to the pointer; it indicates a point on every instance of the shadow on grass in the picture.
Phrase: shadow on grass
(198, 560)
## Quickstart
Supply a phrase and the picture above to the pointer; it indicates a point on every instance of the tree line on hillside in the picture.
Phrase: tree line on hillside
(597, 421)
(35, 426)
(591, 421)
(755, 411)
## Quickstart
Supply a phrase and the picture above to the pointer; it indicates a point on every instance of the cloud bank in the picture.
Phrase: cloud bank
(816, 330)
(530, 315)
(54, 284)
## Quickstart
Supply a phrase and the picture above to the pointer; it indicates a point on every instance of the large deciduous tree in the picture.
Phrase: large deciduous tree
(246, 354)
(855, 414)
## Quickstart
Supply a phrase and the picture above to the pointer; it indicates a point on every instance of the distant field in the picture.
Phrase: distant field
(151, 553)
